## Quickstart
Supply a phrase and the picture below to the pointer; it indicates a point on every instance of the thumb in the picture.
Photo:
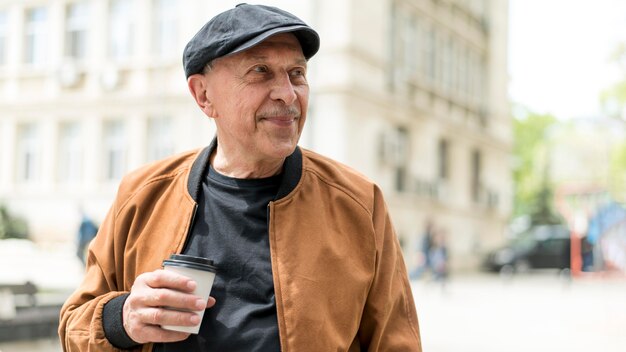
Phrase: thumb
(210, 302)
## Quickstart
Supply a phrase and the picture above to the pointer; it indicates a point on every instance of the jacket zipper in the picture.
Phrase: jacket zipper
(188, 236)
(274, 276)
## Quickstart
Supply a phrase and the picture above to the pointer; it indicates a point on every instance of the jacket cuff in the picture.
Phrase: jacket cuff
(113, 325)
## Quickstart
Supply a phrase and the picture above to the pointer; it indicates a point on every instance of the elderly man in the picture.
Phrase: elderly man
(306, 254)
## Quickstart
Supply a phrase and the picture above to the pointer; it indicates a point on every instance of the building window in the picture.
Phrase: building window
(409, 27)
(404, 47)
(430, 55)
(443, 159)
(395, 48)
(481, 82)
(28, 157)
(35, 41)
(114, 150)
(4, 33)
(461, 69)
(401, 159)
(76, 30)
(70, 156)
(475, 84)
(444, 67)
(165, 28)
(476, 175)
(120, 29)
(466, 75)
(160, 138)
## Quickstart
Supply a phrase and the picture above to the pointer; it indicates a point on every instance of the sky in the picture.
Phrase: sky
(559, 53)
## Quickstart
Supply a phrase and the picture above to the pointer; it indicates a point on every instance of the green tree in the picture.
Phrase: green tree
(12, 226)
(613, 99)
(617, 173)
(533, 188)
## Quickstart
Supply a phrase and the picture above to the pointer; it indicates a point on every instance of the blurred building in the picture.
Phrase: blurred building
(412, 93)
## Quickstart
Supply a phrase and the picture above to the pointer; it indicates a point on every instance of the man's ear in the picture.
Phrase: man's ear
(198, 88)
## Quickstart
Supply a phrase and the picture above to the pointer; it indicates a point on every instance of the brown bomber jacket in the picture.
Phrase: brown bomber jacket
(339, 277)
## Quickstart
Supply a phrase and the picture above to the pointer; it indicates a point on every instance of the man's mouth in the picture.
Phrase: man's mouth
(281, 117)
(281, 120)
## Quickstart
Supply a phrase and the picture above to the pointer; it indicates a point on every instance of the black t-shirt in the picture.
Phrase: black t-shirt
(231, 228)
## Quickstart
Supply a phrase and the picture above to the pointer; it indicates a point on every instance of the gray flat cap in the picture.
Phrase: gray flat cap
(241, 28)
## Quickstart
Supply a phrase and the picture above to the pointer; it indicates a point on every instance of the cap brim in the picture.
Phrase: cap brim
(308, 38)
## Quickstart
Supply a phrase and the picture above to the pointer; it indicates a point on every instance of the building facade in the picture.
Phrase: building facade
(412, 93)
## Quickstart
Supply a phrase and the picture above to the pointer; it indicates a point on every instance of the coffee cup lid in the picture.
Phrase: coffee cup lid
(190, 262)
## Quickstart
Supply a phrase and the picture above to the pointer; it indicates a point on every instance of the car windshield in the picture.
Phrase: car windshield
(527, 239)
(524, 241)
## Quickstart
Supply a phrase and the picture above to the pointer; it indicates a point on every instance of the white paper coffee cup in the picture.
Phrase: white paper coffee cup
(202, 271)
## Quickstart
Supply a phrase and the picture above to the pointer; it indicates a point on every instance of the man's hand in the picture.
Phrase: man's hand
(143, 311)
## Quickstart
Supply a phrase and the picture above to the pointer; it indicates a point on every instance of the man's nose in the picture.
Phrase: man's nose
(283, 90)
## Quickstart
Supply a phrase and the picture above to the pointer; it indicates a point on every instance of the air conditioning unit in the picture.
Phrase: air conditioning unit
(68, 75)
(110, 77)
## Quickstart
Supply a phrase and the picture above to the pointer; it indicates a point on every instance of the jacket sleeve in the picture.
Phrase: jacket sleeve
(81, 320)
(389, 321)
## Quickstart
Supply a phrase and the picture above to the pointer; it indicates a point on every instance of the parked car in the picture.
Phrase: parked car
(540, 247)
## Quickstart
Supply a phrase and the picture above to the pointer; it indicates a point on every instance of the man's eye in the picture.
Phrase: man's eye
(298, 72)
(260, 69)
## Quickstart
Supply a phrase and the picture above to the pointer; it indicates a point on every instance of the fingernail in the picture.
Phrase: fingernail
(195, 319)
(191, 285)
(200, 304)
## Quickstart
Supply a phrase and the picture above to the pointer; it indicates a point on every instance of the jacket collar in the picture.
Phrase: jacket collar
(292, 172)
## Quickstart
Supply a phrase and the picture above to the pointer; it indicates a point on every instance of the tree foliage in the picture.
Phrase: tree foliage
(533, 188)
(12, 226)
(613, 98)
(617, 172)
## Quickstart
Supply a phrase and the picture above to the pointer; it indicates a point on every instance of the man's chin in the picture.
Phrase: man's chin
(283, 149)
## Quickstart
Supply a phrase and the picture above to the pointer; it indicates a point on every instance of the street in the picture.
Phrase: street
(537, 312)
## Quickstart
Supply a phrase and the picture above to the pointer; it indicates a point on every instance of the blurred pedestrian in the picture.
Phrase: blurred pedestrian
(586, 251)
(438, 255)
(86, 232)
(423, 251)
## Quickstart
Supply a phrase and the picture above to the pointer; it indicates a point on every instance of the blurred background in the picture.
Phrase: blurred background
(496, 129)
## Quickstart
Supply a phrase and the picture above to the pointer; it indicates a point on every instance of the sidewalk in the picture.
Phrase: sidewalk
(535, 312)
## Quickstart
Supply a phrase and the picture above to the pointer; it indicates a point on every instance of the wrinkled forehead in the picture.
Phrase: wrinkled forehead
(282, 43)
(283, 46)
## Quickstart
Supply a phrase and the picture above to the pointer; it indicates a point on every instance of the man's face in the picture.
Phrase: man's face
(259, 99)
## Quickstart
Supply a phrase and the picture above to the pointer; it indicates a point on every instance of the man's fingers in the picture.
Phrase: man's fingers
(210, 302)
(170, 298)
(168, 279)
(164, 316)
